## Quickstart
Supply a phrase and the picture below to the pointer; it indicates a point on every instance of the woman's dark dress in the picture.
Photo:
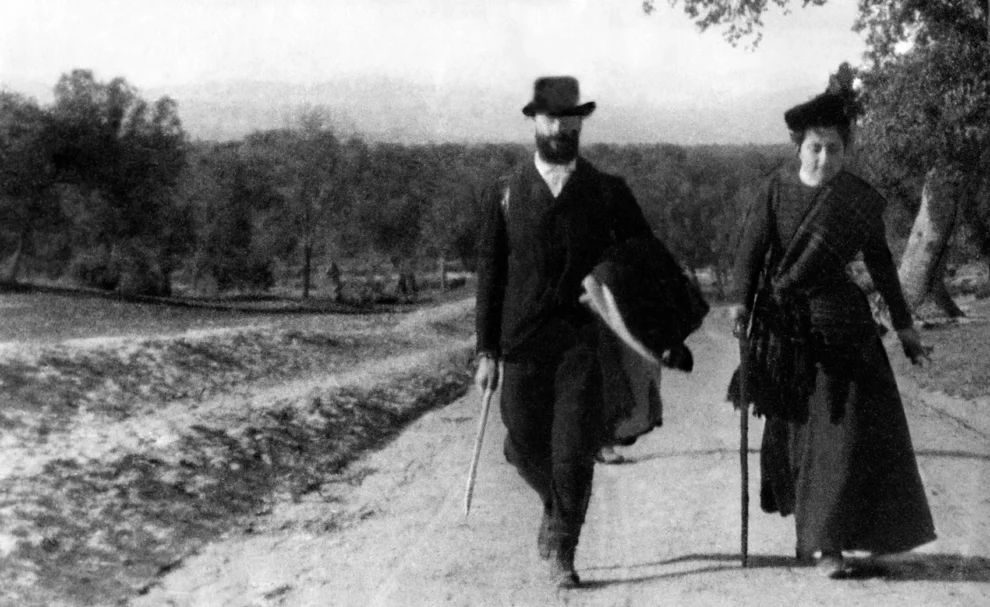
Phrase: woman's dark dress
(847, 472)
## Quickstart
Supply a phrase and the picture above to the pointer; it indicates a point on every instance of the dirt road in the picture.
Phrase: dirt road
(662, 530)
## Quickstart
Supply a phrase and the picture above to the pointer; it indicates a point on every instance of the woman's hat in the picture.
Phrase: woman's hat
(825, 110)
(557, 96)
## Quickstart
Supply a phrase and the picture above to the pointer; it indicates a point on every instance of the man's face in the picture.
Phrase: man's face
(557, 137)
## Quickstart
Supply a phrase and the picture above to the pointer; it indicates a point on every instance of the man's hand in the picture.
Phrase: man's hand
(487, 374)
(914, 349)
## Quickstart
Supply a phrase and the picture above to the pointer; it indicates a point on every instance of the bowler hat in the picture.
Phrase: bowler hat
(825, 110)
(557, 96)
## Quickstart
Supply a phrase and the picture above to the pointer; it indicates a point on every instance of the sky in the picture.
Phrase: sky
(637, 64)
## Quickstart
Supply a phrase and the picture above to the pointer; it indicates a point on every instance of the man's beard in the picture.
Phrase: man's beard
(558, 149)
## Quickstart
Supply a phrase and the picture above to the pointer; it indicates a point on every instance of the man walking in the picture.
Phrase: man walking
(545, 226)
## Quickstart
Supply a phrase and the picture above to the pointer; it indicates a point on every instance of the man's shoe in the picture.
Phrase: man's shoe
(543, 543)
(607, 455)
(831, 565)
(562, 573)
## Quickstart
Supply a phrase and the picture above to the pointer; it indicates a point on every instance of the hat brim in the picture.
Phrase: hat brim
(585, 109)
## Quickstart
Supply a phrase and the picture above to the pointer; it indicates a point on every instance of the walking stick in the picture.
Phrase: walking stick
(486, 403)
(741, 330)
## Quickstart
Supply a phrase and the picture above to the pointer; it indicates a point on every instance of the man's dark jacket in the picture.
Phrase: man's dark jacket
(535, 250)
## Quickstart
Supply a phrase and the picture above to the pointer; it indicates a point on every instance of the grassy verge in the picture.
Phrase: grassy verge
(959, 362)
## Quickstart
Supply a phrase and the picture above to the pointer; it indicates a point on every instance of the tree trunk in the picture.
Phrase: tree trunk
(942, 299)
(922, 262)
(307, 262)
(406, 288)
(442, 269)
(335, 282)
(13, 268)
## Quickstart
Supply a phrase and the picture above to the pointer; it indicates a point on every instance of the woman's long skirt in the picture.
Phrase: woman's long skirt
(848, 473)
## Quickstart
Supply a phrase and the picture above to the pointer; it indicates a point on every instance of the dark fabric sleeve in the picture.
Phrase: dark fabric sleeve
(754, 241)
(880, 263)
(491, 272)
(629, 219)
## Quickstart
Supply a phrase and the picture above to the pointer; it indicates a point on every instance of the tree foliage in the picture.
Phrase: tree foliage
(105, 187)
(925, 92)
(122, 157)
(308, 166)
(740, 20)
(30, 214)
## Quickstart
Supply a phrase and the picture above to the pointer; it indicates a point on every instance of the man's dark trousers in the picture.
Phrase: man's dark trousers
(551, 407)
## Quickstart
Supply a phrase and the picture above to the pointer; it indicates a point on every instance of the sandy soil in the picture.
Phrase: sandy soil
(662, 530)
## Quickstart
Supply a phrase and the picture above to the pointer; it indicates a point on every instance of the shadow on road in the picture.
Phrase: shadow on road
(690, 453)
(914, 567)
(917, 567)
(952, 454)
(710, 452)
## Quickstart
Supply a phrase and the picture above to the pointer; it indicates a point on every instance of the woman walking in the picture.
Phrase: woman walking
(836, 449)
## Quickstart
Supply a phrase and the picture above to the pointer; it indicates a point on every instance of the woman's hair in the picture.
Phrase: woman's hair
(844, 130)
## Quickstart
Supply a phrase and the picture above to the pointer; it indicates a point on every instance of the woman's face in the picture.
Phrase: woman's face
(822, 154)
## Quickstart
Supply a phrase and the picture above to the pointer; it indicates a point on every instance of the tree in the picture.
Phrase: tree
(926, 94)
(395, 185)
(457, 175)
(932, 118)
(123, 158)
(29, 205)
(309, 165)
(235, 214)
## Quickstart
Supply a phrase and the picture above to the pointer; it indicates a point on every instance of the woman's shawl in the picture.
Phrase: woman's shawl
(839, 221)
(782, 345)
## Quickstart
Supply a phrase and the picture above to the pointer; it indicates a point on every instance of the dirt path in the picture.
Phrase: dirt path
(662, 530)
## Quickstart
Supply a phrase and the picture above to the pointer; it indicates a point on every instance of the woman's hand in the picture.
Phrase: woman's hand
(487, 374)
(914, 349)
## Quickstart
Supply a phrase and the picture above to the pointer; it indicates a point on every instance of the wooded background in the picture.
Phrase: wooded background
(103, 188)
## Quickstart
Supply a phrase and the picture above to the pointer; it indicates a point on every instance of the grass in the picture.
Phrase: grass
(50, 315)
(961, 351)
(53, 318)
(959, 362)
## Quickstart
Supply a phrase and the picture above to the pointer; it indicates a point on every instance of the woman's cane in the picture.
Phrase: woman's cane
(742, 332)
(486, 403)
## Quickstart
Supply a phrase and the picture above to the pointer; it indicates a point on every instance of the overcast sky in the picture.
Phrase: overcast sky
(621, 55)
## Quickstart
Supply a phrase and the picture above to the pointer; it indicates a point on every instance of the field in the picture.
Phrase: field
(134, 434)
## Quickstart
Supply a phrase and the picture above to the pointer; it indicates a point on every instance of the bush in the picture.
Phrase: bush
(130, 269)
(250, 274)
(432, 281)
(94, 268)
(139, 272)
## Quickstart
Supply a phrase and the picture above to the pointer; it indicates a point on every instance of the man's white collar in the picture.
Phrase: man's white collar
(545, 168)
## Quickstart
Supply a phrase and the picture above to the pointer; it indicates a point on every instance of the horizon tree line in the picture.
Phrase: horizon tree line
(104, 189)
